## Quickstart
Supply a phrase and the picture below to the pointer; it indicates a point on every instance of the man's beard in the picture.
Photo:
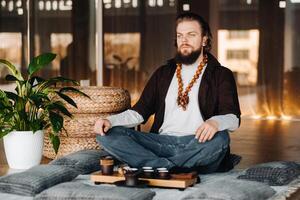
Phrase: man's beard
(187, 59)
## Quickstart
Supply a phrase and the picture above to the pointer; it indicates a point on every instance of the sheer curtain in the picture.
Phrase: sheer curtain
(138, 38)
(257, 41)
(64, 27)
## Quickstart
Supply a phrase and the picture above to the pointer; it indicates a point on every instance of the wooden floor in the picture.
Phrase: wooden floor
(260, 141)
(257, 141)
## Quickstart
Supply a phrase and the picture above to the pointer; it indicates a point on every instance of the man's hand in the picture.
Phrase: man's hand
(207, 130)
(102, 126)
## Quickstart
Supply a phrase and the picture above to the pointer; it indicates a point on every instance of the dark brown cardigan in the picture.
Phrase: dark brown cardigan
(217, 93)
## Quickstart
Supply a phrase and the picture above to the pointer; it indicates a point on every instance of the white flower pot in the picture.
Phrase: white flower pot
(23, 149)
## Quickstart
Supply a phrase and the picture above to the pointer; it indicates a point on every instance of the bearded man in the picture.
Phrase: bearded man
(195, 104)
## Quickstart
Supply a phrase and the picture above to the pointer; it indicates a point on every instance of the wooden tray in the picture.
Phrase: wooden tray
(169, 183)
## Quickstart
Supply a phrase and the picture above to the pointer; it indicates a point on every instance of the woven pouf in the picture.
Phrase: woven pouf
(102, 100)
(69, 145)
(79, 131)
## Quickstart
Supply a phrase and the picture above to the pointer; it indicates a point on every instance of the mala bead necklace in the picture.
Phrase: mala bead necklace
(183, 97)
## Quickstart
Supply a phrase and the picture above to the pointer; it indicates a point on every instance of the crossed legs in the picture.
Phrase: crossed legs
(139, 149)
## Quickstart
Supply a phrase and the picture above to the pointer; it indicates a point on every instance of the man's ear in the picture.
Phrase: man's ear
(204, 40)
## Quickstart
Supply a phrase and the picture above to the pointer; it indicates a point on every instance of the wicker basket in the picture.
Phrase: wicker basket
(69, 145)
(80, 130)
(81, 125)
(102, 100)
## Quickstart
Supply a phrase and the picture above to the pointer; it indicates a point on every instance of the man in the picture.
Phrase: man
(195, 103)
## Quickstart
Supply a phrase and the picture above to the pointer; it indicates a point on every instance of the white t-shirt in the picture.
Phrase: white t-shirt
(176, 120)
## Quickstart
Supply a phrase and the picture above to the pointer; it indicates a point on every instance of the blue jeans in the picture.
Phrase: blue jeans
(139, 149)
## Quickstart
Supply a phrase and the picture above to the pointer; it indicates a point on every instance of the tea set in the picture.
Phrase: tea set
(131, 174)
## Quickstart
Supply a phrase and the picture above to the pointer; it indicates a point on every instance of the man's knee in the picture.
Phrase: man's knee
(221, 139)
(101, 139)
(219, 143)
(215, 149)
(116, 131)
(111, 134)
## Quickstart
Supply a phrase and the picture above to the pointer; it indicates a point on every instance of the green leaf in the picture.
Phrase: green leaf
(35, 125)
(10, 77)
(36, 80)
(72, 89)
(60, 107)
(8, 116)
(12, 96)
(4, 100)
(24, 90)
(60, 79)
(3, 106)
(12, 69)
(46, 125)
(66, 98)
(39, 62)
(55, 142)
(20, 104)
(56, 121)
(4, 131)
(2, 94)
(37, 98)
(54, 81)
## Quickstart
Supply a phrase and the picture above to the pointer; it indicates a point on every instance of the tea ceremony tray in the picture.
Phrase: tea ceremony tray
(180, 181)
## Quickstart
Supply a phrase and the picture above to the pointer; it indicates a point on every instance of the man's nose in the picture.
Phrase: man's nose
(184, 39)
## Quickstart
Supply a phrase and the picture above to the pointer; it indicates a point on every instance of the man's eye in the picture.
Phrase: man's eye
(192, 35)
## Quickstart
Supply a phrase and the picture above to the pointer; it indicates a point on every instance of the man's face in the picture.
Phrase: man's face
(189, 39)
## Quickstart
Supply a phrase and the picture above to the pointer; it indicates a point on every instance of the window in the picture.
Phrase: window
(238, 34)
(238, 54)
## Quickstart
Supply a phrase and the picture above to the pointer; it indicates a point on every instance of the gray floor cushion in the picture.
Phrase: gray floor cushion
(36, 179)
(282, 192)
(233, 189)
(78, 190)
(85, 161)
(273, 173)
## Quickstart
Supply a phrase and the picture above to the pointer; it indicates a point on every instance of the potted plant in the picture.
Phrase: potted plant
(35, 106)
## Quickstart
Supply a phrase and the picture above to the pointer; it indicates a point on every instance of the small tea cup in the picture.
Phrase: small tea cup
(107, 165)
(131, 177)
(148, 173)
(163, 174)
